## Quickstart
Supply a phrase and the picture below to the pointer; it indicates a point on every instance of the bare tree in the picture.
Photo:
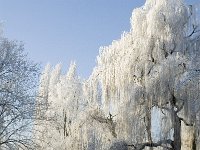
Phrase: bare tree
(18, 81)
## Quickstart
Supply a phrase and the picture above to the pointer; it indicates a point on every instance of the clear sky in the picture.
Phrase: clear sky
(63, 30)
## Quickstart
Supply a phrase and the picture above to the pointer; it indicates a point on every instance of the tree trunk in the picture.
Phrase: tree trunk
(187, 137)
(177, 131)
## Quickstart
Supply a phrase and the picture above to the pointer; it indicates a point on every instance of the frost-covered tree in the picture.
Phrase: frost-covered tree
(62, 94)
(144, 91)
(18, 78)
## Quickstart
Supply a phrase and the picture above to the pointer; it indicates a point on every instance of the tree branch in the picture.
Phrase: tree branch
(162, 143)
(185, 122)
(194, 30)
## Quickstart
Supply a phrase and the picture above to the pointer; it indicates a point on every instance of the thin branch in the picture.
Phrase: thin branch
(194, 30)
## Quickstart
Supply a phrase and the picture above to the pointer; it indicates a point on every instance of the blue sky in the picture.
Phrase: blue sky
(63, 30)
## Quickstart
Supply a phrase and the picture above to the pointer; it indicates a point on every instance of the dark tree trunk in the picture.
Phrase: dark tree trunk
(177, 131)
